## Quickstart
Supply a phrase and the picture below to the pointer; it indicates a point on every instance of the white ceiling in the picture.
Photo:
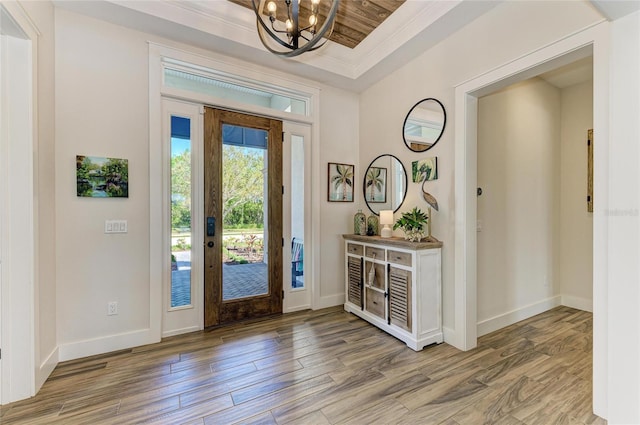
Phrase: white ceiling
(230, 29)
(576, 72)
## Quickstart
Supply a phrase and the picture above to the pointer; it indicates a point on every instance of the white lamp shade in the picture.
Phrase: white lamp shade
(386, 217)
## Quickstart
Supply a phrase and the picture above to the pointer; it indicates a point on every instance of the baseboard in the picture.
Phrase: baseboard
(181, 331)
(299, 308)
(449, 336)
(579, 303)
(90, 347)
(514, 316)
(329, 301)
(46, 367)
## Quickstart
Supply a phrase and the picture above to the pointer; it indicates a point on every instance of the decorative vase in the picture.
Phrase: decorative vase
(372, 225)
(360, 223)
(414, 235)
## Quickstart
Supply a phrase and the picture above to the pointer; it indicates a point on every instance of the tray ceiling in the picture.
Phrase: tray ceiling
(355, 20)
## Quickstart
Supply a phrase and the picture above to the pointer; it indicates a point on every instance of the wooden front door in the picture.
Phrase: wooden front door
(243, 217)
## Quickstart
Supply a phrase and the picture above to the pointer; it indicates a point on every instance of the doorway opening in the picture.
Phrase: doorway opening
(593, 41)
(534, 231)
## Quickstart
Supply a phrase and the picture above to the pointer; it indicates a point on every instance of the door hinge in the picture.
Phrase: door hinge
(283, 189)
(283, 294)
(283, 137)
(588, 142)
(283, 242)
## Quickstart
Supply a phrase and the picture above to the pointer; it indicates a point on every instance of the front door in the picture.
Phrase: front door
(243, 217)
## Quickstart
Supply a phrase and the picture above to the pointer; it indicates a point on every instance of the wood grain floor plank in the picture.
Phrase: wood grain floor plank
(362, 403)
(499, 402)
(295, 409)
(269, 401)
(328, 367)
(313, 418)
(265, 418)
(386, 412)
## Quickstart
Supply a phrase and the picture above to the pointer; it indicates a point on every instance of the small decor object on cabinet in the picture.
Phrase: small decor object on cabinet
(425, 169)
(412, 224)
(359, 223)
(98, 177)
(340, 184)
(372, 225)
(433, 203)
(386, 219)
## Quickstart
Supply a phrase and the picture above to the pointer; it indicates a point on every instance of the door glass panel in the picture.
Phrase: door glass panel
(244, 212)
(180, 211)
(297, 211)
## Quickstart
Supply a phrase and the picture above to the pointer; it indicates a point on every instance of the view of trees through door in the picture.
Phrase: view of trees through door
(243, 216)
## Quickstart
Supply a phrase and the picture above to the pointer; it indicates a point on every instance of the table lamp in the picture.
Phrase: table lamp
(386, 219)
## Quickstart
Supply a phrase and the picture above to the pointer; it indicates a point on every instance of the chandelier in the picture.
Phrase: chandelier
(287, 33)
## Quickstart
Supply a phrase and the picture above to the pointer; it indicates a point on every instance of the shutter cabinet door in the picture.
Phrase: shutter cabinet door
(400, 298)
(355, 280)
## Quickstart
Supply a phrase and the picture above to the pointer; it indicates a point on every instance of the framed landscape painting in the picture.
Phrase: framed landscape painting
(99, 177)
(340, 182)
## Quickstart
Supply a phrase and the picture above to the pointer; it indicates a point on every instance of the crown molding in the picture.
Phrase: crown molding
(230, 29)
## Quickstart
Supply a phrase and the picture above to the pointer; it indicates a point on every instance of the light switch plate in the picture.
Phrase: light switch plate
(115, 226)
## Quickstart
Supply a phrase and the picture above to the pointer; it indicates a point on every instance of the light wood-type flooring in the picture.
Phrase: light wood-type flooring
(328, 367)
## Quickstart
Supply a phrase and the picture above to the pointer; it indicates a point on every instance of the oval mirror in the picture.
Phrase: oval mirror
(424, 125)
(385, 184)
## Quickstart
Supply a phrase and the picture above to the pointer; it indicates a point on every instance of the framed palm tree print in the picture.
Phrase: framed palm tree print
(376, 185)
(340, 182)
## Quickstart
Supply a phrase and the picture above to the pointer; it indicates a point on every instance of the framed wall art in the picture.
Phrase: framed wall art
(340, 182)
(99, 177)
(424, 170)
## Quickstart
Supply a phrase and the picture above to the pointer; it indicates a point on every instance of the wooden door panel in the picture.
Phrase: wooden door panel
(218, 311)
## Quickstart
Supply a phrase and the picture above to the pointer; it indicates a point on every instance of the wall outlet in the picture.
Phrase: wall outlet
(112, 308)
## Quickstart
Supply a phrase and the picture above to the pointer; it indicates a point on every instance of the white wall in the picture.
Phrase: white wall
(101, 110)
(576, 223)
(102, 107)
(519, 173)
(622, 336)
(339, 136)
(509, 31)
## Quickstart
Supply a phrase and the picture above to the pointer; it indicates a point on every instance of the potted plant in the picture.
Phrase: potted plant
(412, 223)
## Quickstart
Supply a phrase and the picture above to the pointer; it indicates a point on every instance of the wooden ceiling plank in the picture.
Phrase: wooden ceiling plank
(355, 19)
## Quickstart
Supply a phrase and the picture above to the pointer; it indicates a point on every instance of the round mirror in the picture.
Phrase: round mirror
(385, 184)
(424, 125)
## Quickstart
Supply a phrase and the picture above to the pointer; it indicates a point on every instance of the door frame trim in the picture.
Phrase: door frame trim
(159, 52)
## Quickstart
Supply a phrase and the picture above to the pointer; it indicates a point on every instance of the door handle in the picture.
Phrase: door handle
(210, 244)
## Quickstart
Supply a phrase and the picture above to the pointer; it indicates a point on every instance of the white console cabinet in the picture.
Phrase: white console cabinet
(396, 285)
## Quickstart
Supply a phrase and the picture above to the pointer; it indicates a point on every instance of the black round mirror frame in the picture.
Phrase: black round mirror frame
(364, 182)
(444, 123)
